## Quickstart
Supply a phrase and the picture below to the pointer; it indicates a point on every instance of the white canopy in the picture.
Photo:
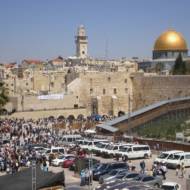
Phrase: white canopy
(90, 131)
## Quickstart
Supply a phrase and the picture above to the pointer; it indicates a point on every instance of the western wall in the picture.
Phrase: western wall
(151, 89)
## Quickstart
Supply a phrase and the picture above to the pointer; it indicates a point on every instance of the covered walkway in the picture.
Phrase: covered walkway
(147, 114)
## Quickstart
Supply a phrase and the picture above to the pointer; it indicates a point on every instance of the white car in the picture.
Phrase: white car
(163, 157)
(171, 186)
(59, 161)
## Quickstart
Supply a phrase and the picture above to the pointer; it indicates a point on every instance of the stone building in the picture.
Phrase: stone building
(169, 44)
(1, 72)
(166, 49)
(81, 41)
(149, 89)
(94, 86)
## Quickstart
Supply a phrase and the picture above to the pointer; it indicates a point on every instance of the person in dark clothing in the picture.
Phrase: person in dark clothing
(142, 166)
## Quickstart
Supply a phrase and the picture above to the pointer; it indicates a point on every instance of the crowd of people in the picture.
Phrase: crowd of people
(18, 135)
(17, 138)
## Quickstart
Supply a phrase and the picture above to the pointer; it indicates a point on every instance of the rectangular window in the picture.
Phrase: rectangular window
(115, 91)
(91, 91)
(104, 91)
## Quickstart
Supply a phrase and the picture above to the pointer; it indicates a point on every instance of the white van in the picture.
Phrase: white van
(70, 139)
(100, 147)
(177, 159)
(163, 157)
(90, 144)
(55, 151)
(135, 151)
(112, 150)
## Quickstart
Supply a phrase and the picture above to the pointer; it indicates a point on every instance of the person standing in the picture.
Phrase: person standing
(163, 170)
(177, 170)
(82, 178)
(182, 170)
(142, 166)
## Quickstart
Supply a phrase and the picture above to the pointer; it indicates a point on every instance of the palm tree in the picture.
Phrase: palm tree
(3, 95)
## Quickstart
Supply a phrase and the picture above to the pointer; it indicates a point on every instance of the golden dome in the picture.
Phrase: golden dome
(170, 41)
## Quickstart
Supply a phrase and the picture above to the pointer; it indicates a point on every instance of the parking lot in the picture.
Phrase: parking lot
(73, 180)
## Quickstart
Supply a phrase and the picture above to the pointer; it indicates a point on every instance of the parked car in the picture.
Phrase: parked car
(67, 163)
(84, 163)
(60, 160)
(108, 167)
(113, 175)
(171, 186)
(130, 176)
(149, 180)
(163, 157)
(122, 185)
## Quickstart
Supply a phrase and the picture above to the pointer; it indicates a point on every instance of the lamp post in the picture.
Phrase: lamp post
(90, 172)
(129, 113)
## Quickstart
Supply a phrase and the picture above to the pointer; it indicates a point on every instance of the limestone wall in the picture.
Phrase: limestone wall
(47, 113)
(33, 103)
(151, 89)
(103, 86)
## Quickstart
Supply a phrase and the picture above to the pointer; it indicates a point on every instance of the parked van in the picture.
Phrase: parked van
(69, 139)
(90, 144)
(176, 160)
(112, 150)
(100, 147)
(135, 151)
(55, 151)
(163, 157)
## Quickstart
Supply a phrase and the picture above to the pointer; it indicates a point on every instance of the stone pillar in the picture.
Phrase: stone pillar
(115, 105)
(99, 105)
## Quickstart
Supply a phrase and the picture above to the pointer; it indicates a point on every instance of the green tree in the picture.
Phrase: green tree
(179, 66)
(3, 95)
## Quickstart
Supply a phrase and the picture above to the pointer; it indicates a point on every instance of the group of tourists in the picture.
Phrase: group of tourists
(17, 137)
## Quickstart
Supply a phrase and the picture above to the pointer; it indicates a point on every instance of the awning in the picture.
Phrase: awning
(107, 127)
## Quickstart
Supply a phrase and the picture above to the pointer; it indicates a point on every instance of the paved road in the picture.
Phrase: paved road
(74, 181)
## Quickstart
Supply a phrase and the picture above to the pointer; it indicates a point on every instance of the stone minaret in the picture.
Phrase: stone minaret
(81, 41)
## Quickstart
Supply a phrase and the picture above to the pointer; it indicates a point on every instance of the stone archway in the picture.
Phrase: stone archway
(80, 117)
(3, 112)
(61, 118)
(71, 118)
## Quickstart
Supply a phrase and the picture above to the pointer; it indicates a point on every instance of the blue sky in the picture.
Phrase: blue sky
(44, 29)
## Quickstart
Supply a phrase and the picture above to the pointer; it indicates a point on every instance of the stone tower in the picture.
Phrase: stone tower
(81, 41)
